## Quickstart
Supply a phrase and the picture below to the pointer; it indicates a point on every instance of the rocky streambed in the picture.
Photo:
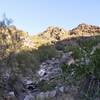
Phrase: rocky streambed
(48, 84)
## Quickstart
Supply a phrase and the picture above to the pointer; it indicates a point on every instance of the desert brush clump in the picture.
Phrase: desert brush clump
(45, 52)
(85, 71)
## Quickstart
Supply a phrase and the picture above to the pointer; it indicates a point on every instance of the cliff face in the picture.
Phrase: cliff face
(54, 33)
(85, 29)
(53, 65)
(12, 39)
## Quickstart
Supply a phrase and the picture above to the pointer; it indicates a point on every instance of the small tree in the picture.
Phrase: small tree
(5, 21)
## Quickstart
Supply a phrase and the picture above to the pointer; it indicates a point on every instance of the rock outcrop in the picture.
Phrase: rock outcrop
(25, 76)
(48, 84)
(12, 39)
(54, 33)
(85, 29)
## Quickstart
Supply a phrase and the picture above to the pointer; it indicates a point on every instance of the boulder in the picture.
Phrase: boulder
(29, 97)
(40, 96)
(61, 89)
(52, 93)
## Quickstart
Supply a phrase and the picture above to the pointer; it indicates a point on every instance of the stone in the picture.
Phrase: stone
(61, 89)
(71, 61)
(11, 93)
(67, 88)
(70, 53)
(53, 59)
(10, 96)
(41, 72)
(52, 93)
(93, 50)
(48, 61)
(65, 57)
(29, 82)
(87, 61)
(47, 94)
(29, 97)
(40, 96)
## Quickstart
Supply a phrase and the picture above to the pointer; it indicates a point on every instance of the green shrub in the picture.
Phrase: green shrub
(60, 46)
(45, 86)
(45, 52)
(77, 52)
(96, 63)
(26, 61)
(88, 44)
(77, 72)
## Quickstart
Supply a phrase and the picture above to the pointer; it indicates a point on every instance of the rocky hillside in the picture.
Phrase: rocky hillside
(53, 65)
(54, 33)
(85, 29)
(12, 39)
(51, 35)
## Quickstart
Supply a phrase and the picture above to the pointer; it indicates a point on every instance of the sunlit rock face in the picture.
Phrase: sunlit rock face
(26, 77)
(85, 29)
(54, 33)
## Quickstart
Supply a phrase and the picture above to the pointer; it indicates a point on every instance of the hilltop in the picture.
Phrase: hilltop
(56, 64)
(85, 29)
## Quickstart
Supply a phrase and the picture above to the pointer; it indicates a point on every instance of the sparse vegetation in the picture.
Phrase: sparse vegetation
(21, 55)
(86, 67)
(45, 86)
(45, 52)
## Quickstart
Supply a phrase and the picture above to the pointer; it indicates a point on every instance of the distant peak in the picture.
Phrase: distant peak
(53, 32)
(54, 28)
(85, 28)
(87, 25)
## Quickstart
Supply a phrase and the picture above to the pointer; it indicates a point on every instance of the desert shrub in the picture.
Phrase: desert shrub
(26, 61)
(96, 63)
(60, 46)
(45, 86)
(89, 74)
(44, 52)
(77, 52)
(73, 73)
(87, 44)
(23, 62)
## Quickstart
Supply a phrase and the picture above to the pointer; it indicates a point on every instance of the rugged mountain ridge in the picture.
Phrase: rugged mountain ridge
(85, 29)
(55, 33)
(48, 66)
